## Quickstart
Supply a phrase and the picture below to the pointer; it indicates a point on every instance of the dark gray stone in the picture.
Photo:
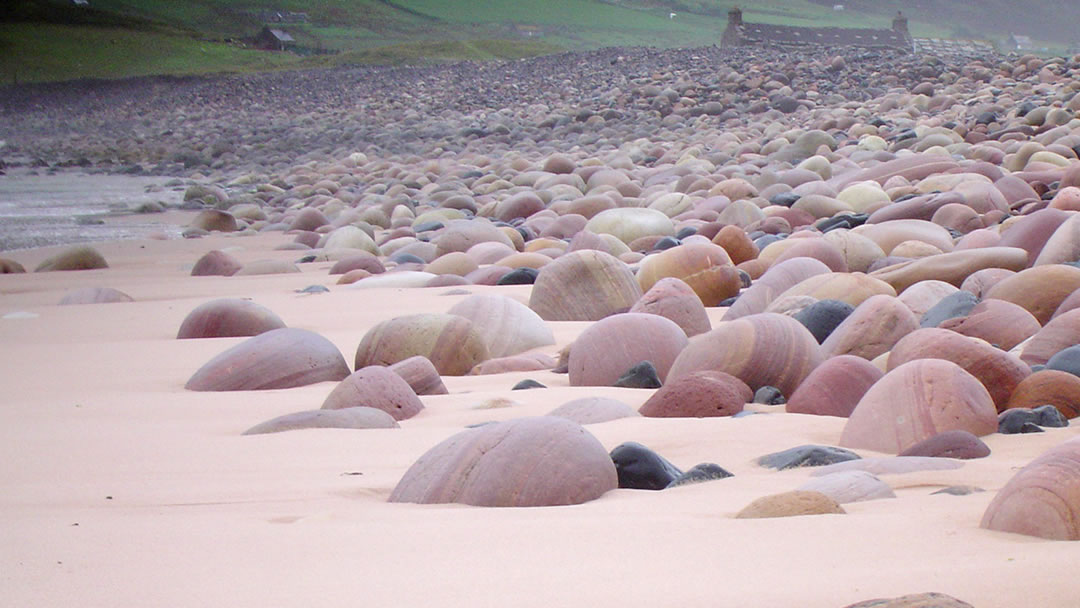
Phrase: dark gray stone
(705, 471)
(769, 395)
(642, 375)
(806, 456)
(1023, 420)
(954, 305)
(519, 276)
(1066, 360)
(640, 468)
(527, 384)
(822, 317)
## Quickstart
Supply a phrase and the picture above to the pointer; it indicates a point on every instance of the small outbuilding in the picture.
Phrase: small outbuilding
(272, 39)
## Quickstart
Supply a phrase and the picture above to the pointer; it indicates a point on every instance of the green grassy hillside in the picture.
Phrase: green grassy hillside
(55, 40)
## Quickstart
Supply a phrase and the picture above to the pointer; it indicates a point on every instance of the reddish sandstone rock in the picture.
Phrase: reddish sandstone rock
(280, 358)
(871, 329)
(420, 375)
(698, 395)
(835, 387)
(378, 387)
(761, 350)
(775, 281)
(451, 343)
(1048, 387)
(216, 263)
(524, 462)
(585, 285)
(1039, 290)
(916, 401)
(1043, 499)
(1000, 323)
(507, 326)
(950, 444)
(611, 346)
(672, 298)
(996, 369)
(349, 418)
(705, 267)
(228, 318)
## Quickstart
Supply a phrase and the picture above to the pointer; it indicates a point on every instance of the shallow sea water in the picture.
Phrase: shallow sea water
(60, 209)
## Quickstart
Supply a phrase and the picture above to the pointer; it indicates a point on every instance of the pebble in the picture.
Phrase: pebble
(806, 456)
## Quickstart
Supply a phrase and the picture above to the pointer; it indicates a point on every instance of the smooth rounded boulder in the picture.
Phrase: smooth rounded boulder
(916, 401)
(378, 387)
(524, 462)
(1043, 498)
(451, 343)
(584, 285)
(80, 257)
(700, 394)
(766, 349)
(611, 346)
(280, 358)
(228, 318)
(507, 326)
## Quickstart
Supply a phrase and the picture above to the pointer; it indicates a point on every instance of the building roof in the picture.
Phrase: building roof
(761, 33)
(282, 36)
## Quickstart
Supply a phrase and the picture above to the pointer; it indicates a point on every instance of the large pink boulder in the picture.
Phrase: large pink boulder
(765, 349)
(378, 387)
(916, 401)
(611, 346)
(280, 358)
(524, 462)
(1043, 498)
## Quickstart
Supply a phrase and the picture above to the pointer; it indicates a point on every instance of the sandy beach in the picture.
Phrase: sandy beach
(120, 487)
(895, 236)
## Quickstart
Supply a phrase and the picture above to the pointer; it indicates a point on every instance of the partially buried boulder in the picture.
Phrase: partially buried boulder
(762, 349)
(95, 295)
(640, 468)
(788, 504)
(281, 358)
(214, 220)
(591, 410)
(524, 462)
(1043, 499)
(609, 347)
(451, 343)
(216, 263)
(80, 257)
(507, 326)
(699, 394)
(378, 387)
(8, 266)
(916, 401)
(348, 418)
(228, 318)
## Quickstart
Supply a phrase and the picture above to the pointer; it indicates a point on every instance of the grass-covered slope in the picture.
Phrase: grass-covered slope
(56, 40)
